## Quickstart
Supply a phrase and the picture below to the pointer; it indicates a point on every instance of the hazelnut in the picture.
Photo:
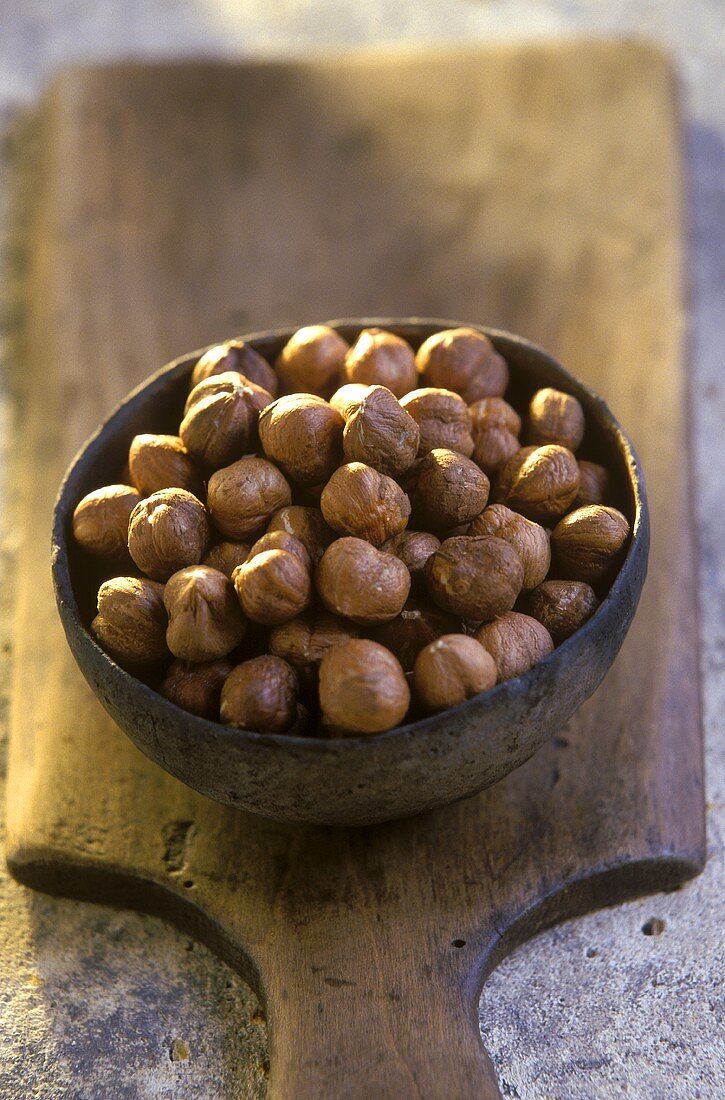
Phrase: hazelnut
(475, 578)
(131, 620)
(347, 397)
(556, 417)
(516, 642)
(589, 542)
(166, 532)
(507, 471)
(529, 540)
(361, 583)
(452, 669)
(196, 688)
(306, 524)
(100, 521)
(242, 497)
(303, 435)
(449, 490)
(494, 412)
(465, 361)
(381, 358)
(362, 688)
(360, 501)
(594, 487)
(205, 621)
(162, 462)
(443, 420)
(236, 355)
(273, 587)
(416, 626)
(563, 606)
(545, 483)
(220, 421)
(380, 433)
(280, 540)
(311, 360)
(260, 695)
(413, 548)
(226, 556)
(304, 641)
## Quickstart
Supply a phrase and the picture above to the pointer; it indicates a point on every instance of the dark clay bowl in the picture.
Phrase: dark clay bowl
(358, 780)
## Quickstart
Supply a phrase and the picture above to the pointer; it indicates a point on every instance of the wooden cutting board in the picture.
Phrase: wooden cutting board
(534, 188)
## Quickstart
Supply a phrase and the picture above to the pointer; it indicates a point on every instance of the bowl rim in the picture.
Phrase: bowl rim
(64, 505)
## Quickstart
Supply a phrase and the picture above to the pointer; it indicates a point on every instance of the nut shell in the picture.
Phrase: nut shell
(556, 417)
(205, 620)
(196, 688)
(303, 435)
(544, 484)
(131, 621)
(475, 578)
(465, 361)
(590, 542)
(450, 670)
(494, 412)
(220, 421)
(226, 556)
(381, 358)
(306, 524)
(273, 587)
(364, 503)
(380, 433)
(563, 606)
(529, 540)
(260, 695)
(236, 355)
(417, 625)
(100, 520)
(413, 548)
(162, 462)
(304, 641)
(242, 497)
(594, 484)
(443, 419)
(280, 540)
(168, 531)
(516, 642)
(449, 490)
(359, 582)
(312, 360)
(362, 688)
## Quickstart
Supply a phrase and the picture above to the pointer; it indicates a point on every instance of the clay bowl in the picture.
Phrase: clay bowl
(358, 780)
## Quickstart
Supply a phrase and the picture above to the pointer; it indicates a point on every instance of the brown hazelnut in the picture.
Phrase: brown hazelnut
(196, 688)
(418, 624)
(443, 420)
(381, 358)
(516, 642)
(260, 695)
(413, 548)
(449, 490)
(162, 462)
(280, 540)
(563, 606)
(507, 471)
(306, 524)
(167, 531)
(303, 435)
(361, 583)
(304, 641)
(226, 556)
(362, 688)
(348, 397)
(236, 355)
(556, 417)
(242, 497)
(131, 620)
(450, 670)
(362, 502)
(100, 521)
(545, 484)
(311, 361)
(205, 621)
(529, 540)
(589, 542)
(465, 361)
(475, 578)
(380, 433)
(496, 427)
(220, 421)
(273, 587)
(594, 487)
(494, 412)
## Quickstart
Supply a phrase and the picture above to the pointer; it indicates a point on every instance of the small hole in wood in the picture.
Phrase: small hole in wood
(653, 927)
(458, 943)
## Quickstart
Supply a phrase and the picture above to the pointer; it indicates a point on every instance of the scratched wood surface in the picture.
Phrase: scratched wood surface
(532, 188)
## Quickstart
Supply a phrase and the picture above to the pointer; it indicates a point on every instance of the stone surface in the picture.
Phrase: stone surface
(96, 1002)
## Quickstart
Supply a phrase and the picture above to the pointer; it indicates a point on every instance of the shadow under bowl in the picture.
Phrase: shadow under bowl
(356, 780)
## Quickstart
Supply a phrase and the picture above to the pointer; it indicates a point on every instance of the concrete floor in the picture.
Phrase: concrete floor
(594, 1009)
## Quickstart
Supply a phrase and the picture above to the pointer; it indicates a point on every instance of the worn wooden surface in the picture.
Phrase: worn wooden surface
(183, 204)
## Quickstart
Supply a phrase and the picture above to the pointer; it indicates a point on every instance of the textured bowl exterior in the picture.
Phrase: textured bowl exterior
(356, 780)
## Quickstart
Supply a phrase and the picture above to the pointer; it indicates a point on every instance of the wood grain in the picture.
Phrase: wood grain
(532, 188)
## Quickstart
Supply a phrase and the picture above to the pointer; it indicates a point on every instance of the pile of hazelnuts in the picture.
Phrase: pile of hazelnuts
(373, 545)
